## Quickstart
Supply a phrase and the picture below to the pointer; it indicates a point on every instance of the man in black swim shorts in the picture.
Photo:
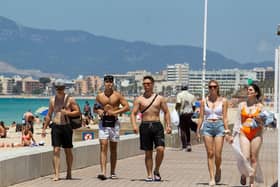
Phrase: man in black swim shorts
(151, 129)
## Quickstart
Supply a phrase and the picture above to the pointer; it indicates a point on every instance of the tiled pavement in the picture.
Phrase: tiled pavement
(178, 169)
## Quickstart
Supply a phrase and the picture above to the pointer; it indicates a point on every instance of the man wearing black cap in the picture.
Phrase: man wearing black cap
(60, 107)
(108, 108)
(184, 106)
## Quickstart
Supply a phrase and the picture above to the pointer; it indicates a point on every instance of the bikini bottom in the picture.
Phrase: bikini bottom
(250, 132)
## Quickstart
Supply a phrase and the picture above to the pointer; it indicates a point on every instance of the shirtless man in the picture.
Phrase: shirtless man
(151, 129)
(107, 106)
(61, 134)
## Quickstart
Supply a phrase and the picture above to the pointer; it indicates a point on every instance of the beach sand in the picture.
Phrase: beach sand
(15, 137)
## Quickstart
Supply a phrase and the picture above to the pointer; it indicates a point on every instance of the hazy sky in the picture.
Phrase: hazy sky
(243, 30)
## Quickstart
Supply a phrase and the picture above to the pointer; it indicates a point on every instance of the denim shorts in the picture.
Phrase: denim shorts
(213, 128)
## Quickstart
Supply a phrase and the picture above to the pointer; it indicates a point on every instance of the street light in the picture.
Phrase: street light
(276, 95)
(204, 49)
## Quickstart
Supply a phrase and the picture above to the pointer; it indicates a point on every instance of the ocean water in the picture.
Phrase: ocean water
(12, 109)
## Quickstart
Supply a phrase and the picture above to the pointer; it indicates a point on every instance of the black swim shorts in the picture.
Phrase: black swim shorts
(151, 133)
(62, 136)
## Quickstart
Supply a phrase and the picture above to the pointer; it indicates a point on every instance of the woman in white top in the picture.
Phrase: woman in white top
(213, 116)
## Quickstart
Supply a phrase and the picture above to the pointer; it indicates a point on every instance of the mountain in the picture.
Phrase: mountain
(77, 52)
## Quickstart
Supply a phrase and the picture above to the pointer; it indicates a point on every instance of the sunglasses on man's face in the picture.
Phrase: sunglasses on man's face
(212, 86)
(59, 88)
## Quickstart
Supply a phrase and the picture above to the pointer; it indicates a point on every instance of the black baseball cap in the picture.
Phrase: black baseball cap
(109, 78)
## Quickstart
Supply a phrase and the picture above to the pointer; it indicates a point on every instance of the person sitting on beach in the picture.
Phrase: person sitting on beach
(3, 131)
(27, 138)
(29, 120)
(13, 124)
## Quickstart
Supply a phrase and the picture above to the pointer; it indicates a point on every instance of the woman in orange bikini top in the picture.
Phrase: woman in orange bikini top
(247, 120)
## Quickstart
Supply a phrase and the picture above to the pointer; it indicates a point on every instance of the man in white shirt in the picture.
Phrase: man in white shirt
(184, 106)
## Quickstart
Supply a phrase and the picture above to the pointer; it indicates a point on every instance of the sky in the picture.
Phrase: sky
(242, 30)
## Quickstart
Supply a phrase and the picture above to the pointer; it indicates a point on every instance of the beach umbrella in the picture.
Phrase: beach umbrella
(43, 110)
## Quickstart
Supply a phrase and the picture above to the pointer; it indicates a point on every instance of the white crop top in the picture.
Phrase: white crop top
(216, 113)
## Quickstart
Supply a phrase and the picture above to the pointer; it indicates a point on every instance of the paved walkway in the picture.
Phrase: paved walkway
(178, 169)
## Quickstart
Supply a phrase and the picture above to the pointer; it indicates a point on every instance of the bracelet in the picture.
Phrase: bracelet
(227, 131)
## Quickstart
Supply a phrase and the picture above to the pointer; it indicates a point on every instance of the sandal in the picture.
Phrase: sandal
(243, 180)
(212, 183)
(218, 176)
(101, 177)
(149, 179)
(113, 176)
(157, 176)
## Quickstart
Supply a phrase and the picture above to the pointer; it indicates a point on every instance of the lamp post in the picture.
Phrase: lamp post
(276, 95)
(204, 49)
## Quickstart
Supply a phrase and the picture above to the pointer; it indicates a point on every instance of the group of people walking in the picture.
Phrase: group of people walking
(212, 125)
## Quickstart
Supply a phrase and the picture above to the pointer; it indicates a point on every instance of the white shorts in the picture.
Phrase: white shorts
(110, 133)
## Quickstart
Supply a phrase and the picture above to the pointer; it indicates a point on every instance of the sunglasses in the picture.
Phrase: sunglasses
(59, 88)
(214, 86)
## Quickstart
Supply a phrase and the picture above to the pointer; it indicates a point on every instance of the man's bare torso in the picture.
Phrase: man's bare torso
(151, 114)
(111, 102)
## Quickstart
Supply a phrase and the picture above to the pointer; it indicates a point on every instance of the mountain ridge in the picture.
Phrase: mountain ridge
(74, 52)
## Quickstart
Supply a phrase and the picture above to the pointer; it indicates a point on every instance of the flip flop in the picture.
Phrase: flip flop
(157, 176)
(149, 179)
(243, 180)
(101, 177)
(113, 176)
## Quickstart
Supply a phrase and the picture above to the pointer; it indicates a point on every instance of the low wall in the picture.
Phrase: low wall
(22, 164)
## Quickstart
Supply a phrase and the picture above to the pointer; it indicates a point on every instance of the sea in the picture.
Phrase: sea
(12, 109)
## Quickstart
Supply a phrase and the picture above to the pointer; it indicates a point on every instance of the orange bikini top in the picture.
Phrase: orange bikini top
(245, 115)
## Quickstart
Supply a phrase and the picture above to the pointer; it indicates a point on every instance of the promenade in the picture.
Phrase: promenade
(178, 169)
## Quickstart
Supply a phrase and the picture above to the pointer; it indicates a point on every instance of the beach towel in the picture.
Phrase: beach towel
(243, 164)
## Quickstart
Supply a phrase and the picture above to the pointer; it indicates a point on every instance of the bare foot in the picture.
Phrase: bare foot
(56, 178)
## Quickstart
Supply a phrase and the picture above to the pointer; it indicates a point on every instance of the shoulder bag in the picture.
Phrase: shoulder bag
(76, 121)
(149, 104)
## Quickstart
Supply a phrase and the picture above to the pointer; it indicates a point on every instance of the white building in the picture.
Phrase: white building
(179, 73)
(229, 80)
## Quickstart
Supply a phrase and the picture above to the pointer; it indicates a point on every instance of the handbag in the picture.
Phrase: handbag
(76, 121)
(109, 121)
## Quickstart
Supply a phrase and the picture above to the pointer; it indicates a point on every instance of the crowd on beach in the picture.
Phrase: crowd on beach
(211, 126)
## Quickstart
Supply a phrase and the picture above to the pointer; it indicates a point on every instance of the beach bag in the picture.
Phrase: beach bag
(75, 122)
(109, 121)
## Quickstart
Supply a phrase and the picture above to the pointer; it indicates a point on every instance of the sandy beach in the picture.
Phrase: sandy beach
(15, 137)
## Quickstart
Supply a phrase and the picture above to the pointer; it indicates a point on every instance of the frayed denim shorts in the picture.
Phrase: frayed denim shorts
(213, 128)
